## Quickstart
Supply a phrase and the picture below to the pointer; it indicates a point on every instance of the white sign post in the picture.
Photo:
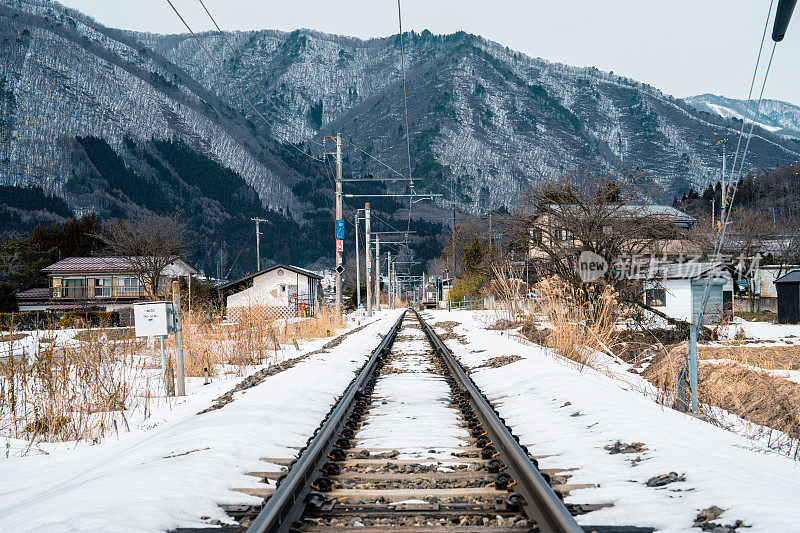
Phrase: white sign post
(155, 319)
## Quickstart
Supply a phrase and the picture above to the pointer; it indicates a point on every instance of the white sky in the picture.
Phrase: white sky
(683, 47)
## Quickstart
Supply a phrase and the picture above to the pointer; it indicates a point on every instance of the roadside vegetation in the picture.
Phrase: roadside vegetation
(748, 383)
(90, 383)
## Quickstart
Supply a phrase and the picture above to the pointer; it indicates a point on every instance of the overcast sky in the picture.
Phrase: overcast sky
(683, 47)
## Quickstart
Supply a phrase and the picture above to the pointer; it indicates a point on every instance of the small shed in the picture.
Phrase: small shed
(279, 291)
(788, 287)
(677, 290)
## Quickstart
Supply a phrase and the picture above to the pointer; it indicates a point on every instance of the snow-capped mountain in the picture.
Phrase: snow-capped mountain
(776, 116)
(494, 119)
(489, 118)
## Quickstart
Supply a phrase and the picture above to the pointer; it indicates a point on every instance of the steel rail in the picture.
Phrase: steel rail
(287, 503)
(541, 503)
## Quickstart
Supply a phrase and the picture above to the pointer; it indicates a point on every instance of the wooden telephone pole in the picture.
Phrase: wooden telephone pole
(258, 242)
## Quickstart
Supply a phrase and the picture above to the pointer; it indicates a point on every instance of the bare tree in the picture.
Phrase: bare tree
(609, 215)
(149, 243)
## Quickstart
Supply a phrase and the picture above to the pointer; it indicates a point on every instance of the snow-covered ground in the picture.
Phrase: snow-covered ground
(788, 333)
(177, 466)
(572, 414)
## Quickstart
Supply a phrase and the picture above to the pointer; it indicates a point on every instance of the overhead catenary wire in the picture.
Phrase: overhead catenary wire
(235, 86)
(698, 322)
(752, 85)
(374, 158)
(405, 109)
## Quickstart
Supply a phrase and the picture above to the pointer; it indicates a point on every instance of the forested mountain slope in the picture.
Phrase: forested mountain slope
(121, 122)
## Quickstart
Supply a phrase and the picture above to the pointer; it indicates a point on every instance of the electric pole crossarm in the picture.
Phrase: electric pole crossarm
(420, 196)
(347, 180)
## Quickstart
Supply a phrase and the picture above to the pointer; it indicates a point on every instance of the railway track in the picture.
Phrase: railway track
(412, 444)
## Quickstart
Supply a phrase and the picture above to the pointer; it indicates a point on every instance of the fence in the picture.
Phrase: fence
(467, 304)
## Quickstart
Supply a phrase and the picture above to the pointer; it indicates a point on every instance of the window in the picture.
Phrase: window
(563, 235)
(102, 287)
(128, 286)
(73, 287)
(656, 297)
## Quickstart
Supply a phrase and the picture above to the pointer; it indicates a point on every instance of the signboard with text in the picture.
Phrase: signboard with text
(340, 245)
(338, 229)
(153, 319)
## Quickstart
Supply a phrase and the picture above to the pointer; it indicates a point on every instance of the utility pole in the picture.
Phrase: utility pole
(491, 235)
(453, 231)
(389, 275)
(713, 212)
(180, 385)
(724, 201)
(358, 267)
(258, 242)
(339, 217)
(377, 272)
(368, 263)
(339, 222)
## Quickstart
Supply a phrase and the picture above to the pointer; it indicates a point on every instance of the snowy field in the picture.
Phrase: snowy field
(572, 414)
(177, 466)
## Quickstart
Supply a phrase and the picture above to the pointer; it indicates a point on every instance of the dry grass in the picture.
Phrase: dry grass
(72, 392)
(82, 389)
(582, 320)
(754, 395)
(770, 357)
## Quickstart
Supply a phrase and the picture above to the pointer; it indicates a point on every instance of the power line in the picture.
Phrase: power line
(249, 73)
(230, 81)
(405, 100)
(405, 108)
(374, 158)
(752, 85)
(288, 119)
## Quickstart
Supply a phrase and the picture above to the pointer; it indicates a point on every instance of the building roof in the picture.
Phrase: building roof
(34, 294)
(682, 271)
(276, 266)
(652, 210)
(791, 277)
(98, 265)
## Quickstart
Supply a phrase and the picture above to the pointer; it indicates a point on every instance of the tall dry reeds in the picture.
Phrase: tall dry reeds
(252, 337)
(72, 391)
(82, 386)
(581, 319)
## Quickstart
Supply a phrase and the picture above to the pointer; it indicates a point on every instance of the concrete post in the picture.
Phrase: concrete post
(180, 386)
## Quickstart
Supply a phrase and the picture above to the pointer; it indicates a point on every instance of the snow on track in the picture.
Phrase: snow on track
(412, 413)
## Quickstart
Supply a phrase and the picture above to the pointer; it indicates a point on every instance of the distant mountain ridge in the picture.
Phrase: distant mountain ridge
(776, 116)
(81, 104)
(491, 118)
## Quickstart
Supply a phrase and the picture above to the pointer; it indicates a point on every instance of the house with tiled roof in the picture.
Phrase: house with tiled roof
(96, 283)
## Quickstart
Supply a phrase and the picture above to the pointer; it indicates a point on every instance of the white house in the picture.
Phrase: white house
(277, 291)
(677, 290)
